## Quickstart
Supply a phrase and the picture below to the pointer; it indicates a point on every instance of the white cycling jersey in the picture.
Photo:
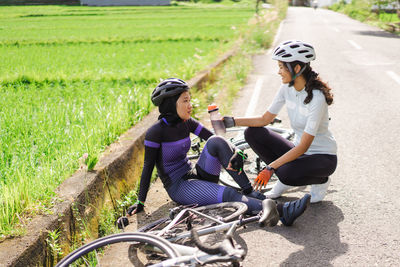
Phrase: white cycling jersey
(312, 118)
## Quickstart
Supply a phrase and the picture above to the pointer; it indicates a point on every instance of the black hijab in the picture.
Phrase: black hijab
(167, 110)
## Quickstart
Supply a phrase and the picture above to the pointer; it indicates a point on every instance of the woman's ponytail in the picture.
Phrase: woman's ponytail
(313, 82)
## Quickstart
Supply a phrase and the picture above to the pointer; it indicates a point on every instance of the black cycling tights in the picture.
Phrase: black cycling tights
(305, 170)
(217, 152)
(202, 187)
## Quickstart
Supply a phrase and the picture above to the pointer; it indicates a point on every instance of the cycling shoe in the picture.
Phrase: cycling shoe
(256, 194)
(270, 214)
(293, 209)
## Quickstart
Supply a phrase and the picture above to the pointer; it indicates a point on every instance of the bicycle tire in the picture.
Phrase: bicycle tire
(142, 238)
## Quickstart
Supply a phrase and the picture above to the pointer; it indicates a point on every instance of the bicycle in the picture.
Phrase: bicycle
(253, 165)
(165, 242)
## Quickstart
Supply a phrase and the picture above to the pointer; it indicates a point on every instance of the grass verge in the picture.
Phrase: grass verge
(361, 10)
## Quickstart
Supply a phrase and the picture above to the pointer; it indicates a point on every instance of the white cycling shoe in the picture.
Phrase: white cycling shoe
(278, 189)
(318, 191)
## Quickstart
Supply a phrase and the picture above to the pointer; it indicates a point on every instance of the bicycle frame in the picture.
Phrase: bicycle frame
(193, 255)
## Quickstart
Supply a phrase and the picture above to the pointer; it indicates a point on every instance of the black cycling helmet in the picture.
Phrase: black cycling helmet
(168, 88)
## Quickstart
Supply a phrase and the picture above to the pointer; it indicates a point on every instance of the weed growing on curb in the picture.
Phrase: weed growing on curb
(54, 252)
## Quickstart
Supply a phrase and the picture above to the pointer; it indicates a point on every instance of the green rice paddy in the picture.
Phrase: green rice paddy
(72, 79)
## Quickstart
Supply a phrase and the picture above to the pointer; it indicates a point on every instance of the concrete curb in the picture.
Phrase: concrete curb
(84, 193)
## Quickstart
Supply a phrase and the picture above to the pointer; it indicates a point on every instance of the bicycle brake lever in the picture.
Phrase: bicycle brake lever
(276, 120)
(196, 147)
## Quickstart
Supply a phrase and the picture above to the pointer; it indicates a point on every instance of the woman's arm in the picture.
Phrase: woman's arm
(150, 157)
(295, 152)
(258, 121)
(198, 129)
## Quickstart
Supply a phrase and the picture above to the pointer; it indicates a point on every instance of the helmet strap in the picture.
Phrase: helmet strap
(295, 75)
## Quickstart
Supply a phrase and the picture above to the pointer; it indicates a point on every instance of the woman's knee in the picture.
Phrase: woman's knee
(251, 132)
(287, 180)
(216, 143)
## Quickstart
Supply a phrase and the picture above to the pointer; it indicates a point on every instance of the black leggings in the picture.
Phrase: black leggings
(305, 170)
(216, 153)
(201, 186)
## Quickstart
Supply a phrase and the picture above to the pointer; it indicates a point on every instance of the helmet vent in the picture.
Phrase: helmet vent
(280, 52)
(294, 46)
(308, 56)
(287, 55)
(303, 51)
(307, 45)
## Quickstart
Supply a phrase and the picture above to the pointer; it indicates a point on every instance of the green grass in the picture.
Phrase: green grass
(72, 79)
(361, 10)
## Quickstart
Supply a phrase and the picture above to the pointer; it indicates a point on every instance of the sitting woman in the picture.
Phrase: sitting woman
(166, 145)
(311, 158)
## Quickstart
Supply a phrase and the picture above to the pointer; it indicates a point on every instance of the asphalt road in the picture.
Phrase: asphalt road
(358, 223)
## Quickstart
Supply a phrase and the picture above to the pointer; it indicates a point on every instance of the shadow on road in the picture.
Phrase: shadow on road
(378, 34)
(318, 232)
(161, 212)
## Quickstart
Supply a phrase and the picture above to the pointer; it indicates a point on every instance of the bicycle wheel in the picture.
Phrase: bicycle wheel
(92, 254)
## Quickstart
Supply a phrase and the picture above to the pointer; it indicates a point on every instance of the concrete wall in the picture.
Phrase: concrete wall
(125, 2)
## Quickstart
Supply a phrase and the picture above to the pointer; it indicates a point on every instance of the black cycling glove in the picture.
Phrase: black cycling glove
(237, 160)
(122, 222)
(135, 208)
(228, 121)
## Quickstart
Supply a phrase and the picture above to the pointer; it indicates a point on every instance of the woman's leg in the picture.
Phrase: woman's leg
(307, 170)
(202, 193)
(267, 144)
(217, 152)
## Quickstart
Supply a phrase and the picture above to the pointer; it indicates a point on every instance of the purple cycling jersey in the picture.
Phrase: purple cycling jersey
(166, 147)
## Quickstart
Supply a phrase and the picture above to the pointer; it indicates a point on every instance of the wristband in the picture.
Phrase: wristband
(140, 202)
(270, 168)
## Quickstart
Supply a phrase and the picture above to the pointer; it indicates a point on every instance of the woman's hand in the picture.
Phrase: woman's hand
(228, 121)
(135, 208)
(263, 178)
(236, 161)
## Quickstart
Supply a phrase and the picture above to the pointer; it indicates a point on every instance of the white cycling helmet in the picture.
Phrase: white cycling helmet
(290, 51)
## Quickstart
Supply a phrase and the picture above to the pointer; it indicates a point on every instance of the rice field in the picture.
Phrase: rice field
(72, 79)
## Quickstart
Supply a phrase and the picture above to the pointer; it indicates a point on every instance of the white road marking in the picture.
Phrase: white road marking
(394, 76)
(254, 98)
(354, 44)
